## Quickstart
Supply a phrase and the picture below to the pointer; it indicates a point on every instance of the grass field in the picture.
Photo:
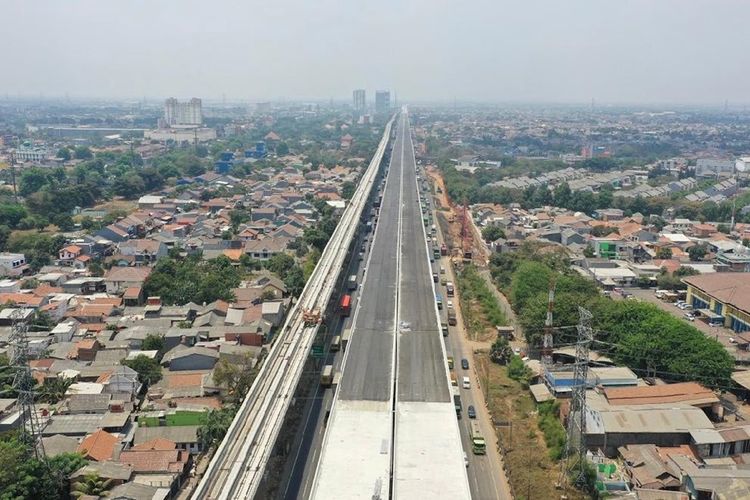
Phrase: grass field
(174, 419)
(531, 472)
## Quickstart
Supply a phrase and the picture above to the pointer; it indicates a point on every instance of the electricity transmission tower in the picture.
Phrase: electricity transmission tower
(23, 384)
(576, 443)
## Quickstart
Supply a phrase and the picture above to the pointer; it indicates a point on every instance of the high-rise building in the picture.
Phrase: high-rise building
(183, 114)
(359, 100)
(382, 101)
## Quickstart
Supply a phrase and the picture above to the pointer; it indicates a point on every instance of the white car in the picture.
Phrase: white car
(732, 340)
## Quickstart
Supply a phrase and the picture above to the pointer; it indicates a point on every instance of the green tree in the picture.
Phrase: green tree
(149, 370)
(91, 485)
(280, 264)
(64, 154)
(236, 377)
(295, 280)
(517, 370)
(588, 252)
(697, 252)
(664, 253)
(82, 153)
(492, 233)
(501, 351)
(214, 426)
(282, 149)
(53, 389)
(347, 190)
(153, 342)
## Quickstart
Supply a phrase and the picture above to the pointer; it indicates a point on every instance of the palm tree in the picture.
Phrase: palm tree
(53, 389)
(92, 485)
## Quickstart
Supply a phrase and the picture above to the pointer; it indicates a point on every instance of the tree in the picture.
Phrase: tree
(517, 370)
(723, 228)
(153, 342)
(236, 377)
(501, 351)
(347, 190)
(492, 233)
(91, 485)
(214, 427)
(697, 252)
(53, 389)
(82, 153)
(588, 252)
(149, 370)
(64, 154)
(664, 253)
(280, 264)
(295, 280)
(282, 149)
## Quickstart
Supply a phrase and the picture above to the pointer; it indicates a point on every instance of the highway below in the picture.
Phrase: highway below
(392, 430)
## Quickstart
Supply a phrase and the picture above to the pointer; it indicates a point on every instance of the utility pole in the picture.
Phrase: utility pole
(576, 442)
(547, 340)
(13, 174)
(23, 384)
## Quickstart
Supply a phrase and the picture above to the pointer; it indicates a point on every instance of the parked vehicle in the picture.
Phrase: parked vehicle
(466, 382)
(471, 412)
(464, 363)
(689, 316)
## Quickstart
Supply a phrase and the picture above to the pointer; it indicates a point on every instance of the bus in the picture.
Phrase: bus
(326, 377)
(478, 446)
(439, 300)
(346, 305)
(336, 343)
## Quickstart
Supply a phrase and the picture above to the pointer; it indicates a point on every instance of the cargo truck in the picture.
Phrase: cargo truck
(452, 317)
(346, 305)
(457, 401)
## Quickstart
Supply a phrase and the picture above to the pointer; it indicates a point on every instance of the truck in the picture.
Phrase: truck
(345, 306)
(452, 317)
(449, 289)
(444, 329)
(478, 445)
(326, 376)
(457, 401)
(443, 249)
(351, 283)
(346, 336)
(336, 343)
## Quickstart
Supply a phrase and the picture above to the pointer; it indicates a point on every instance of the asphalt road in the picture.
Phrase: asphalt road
(486, 476)
(368, 372)
(421, 371)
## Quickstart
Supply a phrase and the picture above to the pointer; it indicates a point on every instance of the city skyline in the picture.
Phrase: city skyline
(639, 52)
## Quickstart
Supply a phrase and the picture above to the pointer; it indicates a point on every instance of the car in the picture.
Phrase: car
(466, 382)
(450, 304)
(466, 460)
(471, 412)
(732, 340)
(443, 281)
(361, 255)
(517, 350)
(689, 316)
(464, 363)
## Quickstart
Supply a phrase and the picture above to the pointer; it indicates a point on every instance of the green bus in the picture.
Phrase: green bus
(478, 446)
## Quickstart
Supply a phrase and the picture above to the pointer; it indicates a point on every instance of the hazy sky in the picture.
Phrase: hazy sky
(695, 51)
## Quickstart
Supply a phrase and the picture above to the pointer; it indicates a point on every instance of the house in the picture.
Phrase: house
(68, 254)
(149, 201)
(86, 349)
(273, 312)
(156, 461)
(183, 437)
(118, 279)
(114, 472)
(190, 358)
(120, 380)
(145, 251)
(266, 248)
(13, 264)
(724, 298)
(98, 446)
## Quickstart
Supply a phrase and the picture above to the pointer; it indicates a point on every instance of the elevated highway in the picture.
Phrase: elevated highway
(238, 466)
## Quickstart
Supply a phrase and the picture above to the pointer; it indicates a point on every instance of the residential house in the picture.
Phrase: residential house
(13, 264)
(266, 248)
(183, 437)
(68, 254)
(98, 446)
(273, 312)
(120, 380)
(183, 358)
(118, 279)
(145, 251)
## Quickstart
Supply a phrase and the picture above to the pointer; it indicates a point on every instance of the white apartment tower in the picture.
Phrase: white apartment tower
(360, 101)
(183, 114)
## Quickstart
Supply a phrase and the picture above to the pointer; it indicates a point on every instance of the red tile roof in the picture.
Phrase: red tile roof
(98, 446)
